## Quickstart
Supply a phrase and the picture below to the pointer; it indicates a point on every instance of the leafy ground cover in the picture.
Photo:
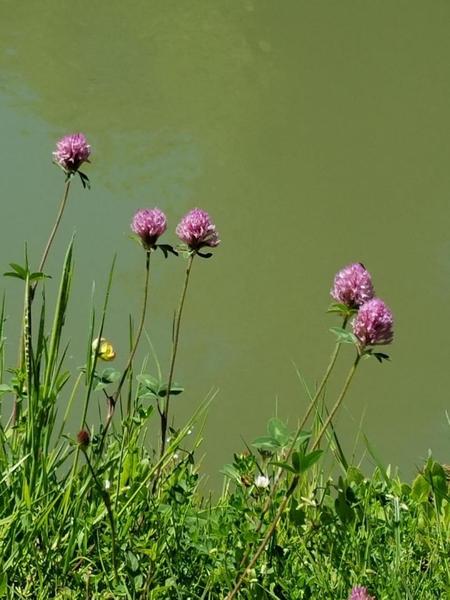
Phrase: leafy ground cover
(109, 513)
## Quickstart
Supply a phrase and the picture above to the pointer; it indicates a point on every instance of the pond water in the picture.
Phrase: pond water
(315, 133)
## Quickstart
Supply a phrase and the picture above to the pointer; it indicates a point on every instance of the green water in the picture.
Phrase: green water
(315, 133)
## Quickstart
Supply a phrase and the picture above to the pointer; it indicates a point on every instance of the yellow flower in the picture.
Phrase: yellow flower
(104, 349)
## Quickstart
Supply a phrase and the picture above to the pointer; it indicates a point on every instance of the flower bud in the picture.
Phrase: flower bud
(83, 439)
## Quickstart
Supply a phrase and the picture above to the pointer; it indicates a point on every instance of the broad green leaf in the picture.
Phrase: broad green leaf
(3, 585)
(354, 475)
(302, 463)
(278, 430)
(231, 472)
(149, 381)
(420, 489)
(344, 336)
(266, 442)
(175, 390)
(285, 466)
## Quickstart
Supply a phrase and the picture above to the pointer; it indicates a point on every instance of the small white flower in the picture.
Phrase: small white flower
(176, 456)
(262, 481)
(107, 484)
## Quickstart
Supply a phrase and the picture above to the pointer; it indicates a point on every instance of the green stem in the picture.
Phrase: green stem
(271, 528)
(312, 404)
(56, 225)
(268, 535)
(338, 402)
(165, 412)
(105, 497)
(323, 382)
(112, 400)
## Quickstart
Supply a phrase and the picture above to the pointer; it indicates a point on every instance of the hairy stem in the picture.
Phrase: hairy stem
(176, 335)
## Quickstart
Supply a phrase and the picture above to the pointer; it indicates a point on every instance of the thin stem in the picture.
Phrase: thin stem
(176, 334)
(271, 528)
(338, 402)
(324, 380)
(112, 400)
(266, 539)
(56, 225)
(312, 404)
(105, 497)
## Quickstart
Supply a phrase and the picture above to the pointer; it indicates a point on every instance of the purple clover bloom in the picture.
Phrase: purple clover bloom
(149, 224)
(197, 230)
(360, 593)
(373, 324)
(71, 152)
(353, 286)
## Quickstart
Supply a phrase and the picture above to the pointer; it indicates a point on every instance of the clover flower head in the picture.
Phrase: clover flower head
(373, 325)
(71, 152)
(360, 593)
(262, 482)
(197, 230)
(149, 224)
(353, 286)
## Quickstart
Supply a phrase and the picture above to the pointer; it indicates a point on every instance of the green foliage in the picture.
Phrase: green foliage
(114, 517)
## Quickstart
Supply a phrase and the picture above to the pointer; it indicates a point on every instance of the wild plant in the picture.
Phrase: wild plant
(115, 510)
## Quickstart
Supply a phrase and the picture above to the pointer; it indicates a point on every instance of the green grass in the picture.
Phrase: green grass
(119, 518)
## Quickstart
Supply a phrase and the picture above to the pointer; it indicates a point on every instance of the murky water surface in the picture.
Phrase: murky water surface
(315, 133)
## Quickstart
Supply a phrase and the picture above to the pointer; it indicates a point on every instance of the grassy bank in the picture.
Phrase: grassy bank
(108, 511)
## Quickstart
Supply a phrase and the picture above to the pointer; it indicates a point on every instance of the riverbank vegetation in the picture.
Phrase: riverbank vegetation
(109, 510)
